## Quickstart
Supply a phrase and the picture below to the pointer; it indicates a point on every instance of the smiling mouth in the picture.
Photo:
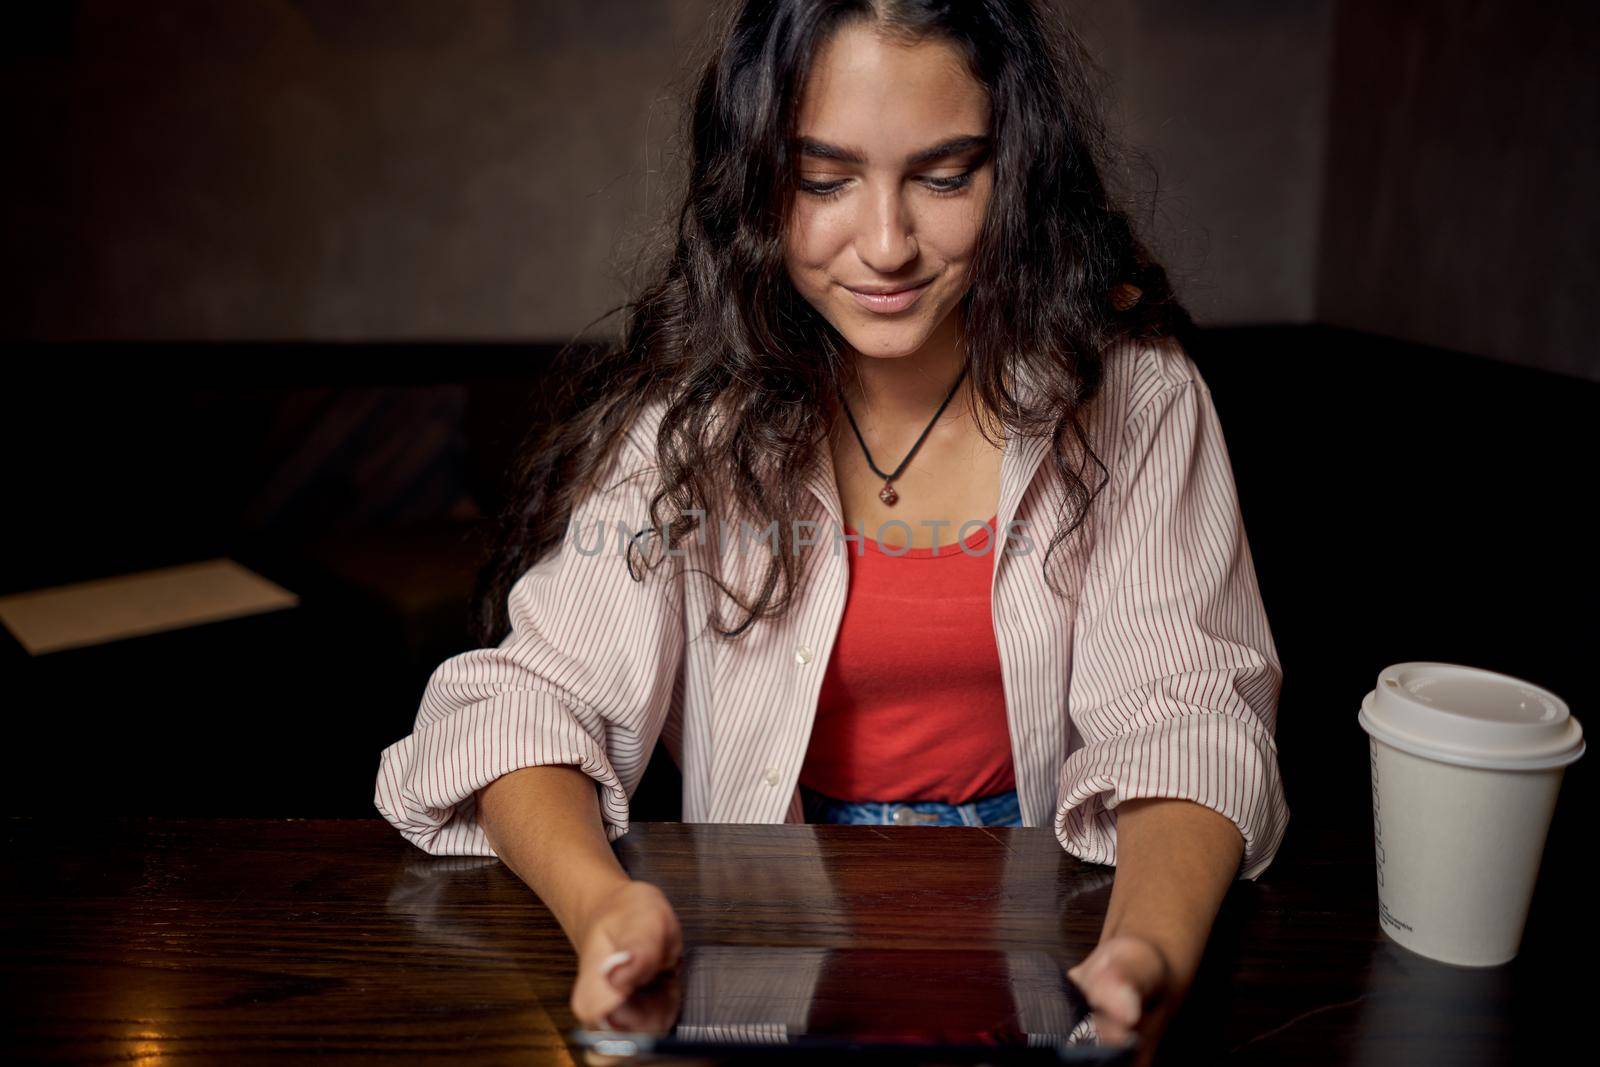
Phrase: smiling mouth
(887, 303)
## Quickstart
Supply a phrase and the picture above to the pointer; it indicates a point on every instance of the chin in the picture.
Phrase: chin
(883, 339)
(885, 344)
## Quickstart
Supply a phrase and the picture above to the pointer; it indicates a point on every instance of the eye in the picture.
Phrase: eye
(823, 190)
(949, 186)
(939, 186)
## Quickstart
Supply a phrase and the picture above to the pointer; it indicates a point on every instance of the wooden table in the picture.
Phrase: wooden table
(238, 940)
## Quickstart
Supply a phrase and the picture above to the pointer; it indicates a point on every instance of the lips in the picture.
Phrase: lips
(888, 303)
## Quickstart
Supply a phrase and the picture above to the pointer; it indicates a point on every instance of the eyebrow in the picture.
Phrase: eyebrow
(954, 146)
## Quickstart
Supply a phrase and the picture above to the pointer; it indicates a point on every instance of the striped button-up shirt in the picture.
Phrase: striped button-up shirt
(1154, 676)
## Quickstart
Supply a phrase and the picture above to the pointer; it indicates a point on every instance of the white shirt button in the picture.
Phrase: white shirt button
(802, 654)
(772, 776)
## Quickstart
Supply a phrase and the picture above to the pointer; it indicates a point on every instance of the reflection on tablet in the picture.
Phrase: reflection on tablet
(971, 1006)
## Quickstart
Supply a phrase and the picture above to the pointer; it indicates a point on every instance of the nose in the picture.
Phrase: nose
(885, 241)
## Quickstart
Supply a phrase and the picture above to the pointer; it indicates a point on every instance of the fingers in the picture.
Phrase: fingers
(1109, 992)
(1112, 1033)
(1122, 1001)
(601, 984)
(624, 951)
(651, 1009)
(633, 967)
(1115, 1001)
(1116, 1013)
(592, 1000)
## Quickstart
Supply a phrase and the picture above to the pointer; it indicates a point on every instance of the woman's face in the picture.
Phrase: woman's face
(888, 215)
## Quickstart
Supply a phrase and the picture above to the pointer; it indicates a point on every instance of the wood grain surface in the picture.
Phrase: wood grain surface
(154, 941)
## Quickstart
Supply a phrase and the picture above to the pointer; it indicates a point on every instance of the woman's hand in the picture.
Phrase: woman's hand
(628, 937)
(1131, 990)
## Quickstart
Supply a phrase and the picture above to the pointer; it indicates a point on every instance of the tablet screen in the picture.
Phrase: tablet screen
(913, 1004)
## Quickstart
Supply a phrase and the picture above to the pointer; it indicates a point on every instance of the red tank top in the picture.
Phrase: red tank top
(913, 705)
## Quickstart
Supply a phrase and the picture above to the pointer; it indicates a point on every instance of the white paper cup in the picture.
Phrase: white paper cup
(1466, 766)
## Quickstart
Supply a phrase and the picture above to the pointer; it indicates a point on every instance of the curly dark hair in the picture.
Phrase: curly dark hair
(1058, 278)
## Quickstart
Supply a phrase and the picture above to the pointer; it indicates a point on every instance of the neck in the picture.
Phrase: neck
(890, 391)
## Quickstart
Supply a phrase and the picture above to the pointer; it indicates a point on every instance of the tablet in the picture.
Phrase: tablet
(900, 1005)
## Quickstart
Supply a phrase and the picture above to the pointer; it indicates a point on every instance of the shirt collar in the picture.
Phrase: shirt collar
(1018, 464)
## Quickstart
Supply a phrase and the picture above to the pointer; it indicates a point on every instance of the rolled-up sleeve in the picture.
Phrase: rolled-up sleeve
(1175, 676)
(585, 678)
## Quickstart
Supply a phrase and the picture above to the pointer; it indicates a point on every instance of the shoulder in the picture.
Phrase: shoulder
(640, 437)
(625, 459)
(1139, 379)
(643, 433)
(633, 450)
(1139, 372)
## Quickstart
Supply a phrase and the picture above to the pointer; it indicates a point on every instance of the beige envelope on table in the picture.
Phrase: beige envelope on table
(109, 609)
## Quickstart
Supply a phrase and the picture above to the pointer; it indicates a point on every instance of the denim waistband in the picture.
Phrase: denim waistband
(998, 809)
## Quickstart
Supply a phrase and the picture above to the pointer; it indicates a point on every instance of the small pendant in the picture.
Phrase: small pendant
(887, 494)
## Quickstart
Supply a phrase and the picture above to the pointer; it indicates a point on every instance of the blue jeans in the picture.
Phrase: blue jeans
(1000, 809)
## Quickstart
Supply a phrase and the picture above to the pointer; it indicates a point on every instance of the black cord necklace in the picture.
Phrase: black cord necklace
(887, 494)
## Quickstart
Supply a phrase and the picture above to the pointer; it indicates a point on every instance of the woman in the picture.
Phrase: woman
(900, 301)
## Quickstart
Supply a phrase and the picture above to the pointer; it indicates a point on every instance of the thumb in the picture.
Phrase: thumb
(612, 968)
(600, 988)
(1122, 1001)
(628, 968)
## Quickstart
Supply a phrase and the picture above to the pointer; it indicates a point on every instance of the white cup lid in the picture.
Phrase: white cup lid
(1471, 716)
